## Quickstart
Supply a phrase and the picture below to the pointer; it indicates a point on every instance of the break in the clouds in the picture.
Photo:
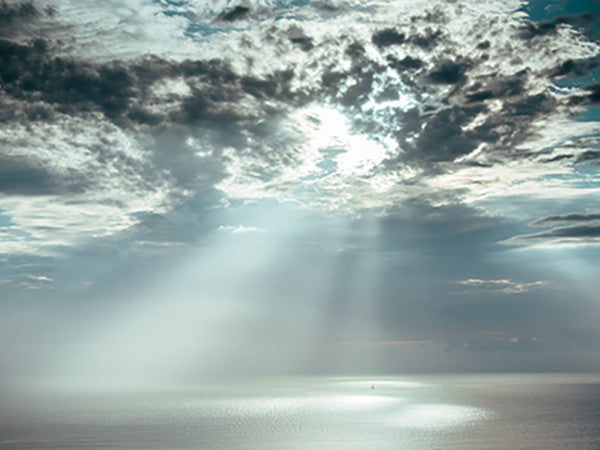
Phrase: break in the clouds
(132, 130)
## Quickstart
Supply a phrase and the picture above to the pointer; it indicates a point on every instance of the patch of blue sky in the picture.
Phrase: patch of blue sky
(11, 232)
(175, 3)
(579, 82)
(587, 174)
(173, 8)
(578, 178)
(327, 166)
(539, 10)
(180, 8)
(5, 219)
(18, 235)
(194, 29)
(591, 114)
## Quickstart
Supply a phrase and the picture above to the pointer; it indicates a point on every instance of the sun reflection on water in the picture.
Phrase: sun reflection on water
(435, 416)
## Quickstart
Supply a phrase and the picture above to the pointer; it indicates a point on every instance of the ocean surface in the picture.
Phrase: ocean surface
(419, 412)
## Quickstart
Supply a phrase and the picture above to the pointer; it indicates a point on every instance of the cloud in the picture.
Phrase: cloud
(237, 229)
(40, 278)
(326, 6)
(387, 37)
(232, 15)
(19, 279)
(566, 218)
(10, 13)
(589, 155)
(498, 342)
(584, 22)
(502, 286)
(346, 111)
(582, 229)
(575, 235)
(448, 72)
(419, 344)
(576, 68)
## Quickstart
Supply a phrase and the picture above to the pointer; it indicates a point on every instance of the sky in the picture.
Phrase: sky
(201, 187)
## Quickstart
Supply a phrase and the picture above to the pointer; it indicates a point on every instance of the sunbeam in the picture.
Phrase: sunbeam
(294, 223)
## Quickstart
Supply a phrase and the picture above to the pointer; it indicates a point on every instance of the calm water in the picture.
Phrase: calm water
(422, 412)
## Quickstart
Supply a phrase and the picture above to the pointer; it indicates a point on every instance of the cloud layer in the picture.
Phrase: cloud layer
(329, 104)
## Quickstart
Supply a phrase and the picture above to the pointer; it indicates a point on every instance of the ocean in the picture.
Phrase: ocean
(517, 411)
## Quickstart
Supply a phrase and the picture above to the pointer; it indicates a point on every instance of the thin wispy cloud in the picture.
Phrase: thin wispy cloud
(235, 229)
(502, 286)
(572, 229)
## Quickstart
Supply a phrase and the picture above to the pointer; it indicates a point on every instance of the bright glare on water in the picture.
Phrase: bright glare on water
(424, 412)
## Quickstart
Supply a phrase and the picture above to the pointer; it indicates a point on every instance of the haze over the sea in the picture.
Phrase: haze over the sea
(194, 188)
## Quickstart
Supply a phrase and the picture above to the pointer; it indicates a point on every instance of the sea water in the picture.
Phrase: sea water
(408, 412)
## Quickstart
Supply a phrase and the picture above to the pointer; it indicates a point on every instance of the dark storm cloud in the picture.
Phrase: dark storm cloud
(19, 18)
(405, 63)
(305, 43)
(565, 218)
(297, 36)
(387, 37)
(351, 88)
(429, 139)
(356, 93)
(427, 40)
(430, 135)
(532, 106)
(21, 176)
(21, 11)
(500, 87)
(30, 73)
(234, 14)
(449, 72)
(590, 155)
(582, 227)
(122, 91)
(277, 85)
(576, 68)
(594, 90)
(579, 232)
(558, 158)
(443, 138)
(325, 6)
